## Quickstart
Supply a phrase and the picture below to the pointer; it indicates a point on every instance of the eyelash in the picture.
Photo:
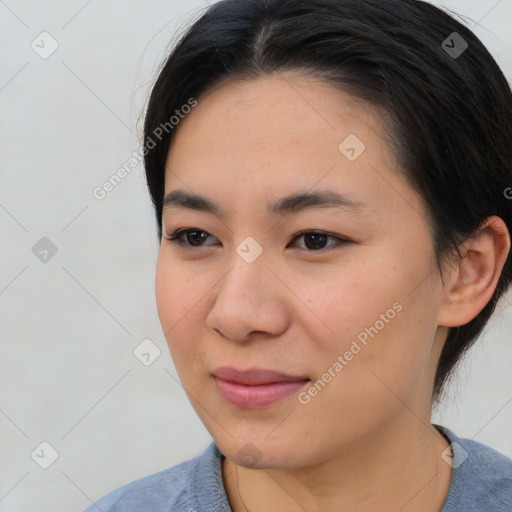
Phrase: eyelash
(177, 238)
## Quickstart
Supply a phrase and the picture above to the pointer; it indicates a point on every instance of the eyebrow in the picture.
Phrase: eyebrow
(293, 203)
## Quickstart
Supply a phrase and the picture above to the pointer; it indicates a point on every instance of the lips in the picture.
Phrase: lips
(256, 388)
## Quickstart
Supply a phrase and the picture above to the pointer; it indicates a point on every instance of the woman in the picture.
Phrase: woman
(331, 181)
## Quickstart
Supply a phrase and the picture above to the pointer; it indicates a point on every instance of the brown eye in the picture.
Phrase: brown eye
(189, 237)
(314, 241)
(317, 240)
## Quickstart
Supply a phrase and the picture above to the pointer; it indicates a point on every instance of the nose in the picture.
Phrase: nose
(250, 299)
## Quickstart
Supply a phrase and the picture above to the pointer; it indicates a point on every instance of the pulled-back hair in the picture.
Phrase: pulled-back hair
(449, 108)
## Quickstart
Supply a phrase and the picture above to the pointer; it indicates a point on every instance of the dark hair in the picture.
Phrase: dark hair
(450, 114)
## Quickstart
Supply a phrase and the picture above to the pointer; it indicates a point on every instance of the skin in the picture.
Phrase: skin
(365, 441)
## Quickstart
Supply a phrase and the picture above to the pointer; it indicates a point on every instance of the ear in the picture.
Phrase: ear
(471, 284)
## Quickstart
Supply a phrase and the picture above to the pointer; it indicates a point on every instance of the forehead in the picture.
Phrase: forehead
(270, 136)
(277, 108)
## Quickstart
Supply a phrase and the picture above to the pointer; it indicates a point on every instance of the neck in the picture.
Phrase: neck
(398, 468)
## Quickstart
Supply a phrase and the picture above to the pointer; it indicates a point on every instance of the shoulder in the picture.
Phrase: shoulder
(178, 488)
(481, 477)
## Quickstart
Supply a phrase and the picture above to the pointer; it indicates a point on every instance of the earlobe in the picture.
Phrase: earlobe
(473, 282)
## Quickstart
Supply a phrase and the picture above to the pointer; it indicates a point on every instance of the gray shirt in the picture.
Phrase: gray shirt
(481, 482)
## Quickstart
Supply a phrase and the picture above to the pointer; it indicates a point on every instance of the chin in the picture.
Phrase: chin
(260, 453)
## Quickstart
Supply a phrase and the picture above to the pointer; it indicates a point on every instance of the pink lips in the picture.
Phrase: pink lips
(253, 389)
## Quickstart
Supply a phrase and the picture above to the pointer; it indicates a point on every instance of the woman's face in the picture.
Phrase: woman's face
(354, 322)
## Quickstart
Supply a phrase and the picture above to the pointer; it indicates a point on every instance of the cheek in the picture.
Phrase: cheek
(375, 322)
(179, 292)
(346, 301)
(365, 374)
(177, 298)
(167, 290)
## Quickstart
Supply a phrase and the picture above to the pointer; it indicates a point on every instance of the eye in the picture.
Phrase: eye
(313, 240)
(193, 237)
(317, 240)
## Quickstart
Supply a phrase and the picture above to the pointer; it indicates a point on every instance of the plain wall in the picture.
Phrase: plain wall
(69, 325)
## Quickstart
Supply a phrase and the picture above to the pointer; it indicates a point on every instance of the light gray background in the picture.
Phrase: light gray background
(69, 326)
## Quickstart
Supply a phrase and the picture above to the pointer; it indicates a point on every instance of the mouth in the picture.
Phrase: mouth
(256, 388)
